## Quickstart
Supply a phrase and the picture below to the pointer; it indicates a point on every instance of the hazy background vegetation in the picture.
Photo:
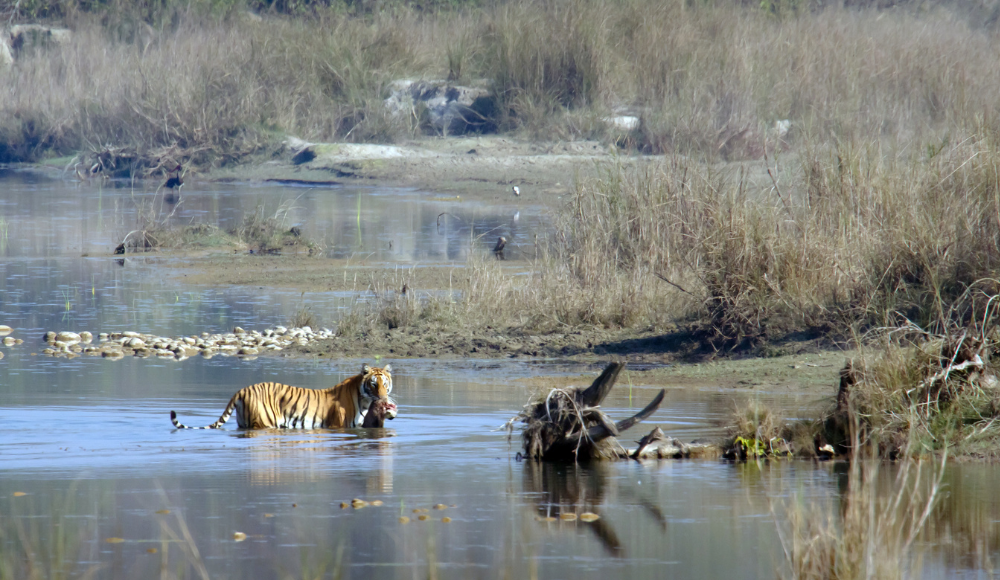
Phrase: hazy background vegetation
(883, 205)
(216, 79)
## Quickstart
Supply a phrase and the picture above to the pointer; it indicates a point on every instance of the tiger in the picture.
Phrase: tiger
(274, 405)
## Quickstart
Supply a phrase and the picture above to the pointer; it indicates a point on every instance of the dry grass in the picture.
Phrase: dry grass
(852, 238)
(266, 233)
(872, 534)
(208, 83)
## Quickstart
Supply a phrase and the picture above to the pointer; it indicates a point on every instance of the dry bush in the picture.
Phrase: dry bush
(922, 393)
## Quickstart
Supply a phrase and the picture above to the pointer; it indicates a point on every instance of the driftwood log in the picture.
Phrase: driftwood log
(568, 425)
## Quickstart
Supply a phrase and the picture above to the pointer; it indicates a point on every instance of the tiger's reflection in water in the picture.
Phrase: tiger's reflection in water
(298, 456)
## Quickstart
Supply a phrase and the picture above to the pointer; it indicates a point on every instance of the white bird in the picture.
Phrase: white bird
(516, 190)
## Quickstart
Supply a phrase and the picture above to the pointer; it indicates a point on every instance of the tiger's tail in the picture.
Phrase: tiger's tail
(222, 420)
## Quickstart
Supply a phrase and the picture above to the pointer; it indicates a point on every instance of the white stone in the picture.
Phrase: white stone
(782, 127)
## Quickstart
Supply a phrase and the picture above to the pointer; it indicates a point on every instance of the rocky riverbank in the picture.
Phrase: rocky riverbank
(238, 343)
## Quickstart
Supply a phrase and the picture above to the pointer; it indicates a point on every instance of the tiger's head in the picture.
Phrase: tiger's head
(376, 384)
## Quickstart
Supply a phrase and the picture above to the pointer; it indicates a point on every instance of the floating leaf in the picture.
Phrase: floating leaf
(446, 520)
(239, 536)
(151, 550)
(589, 517)
(295, 505)
(404, 520)
(114, 540)
(422, 517)
(440, 506)
(163, 511)
(377, 502)
(268, 515)
(343, 505)
(567, 517)
(19, 494)
(358, 503)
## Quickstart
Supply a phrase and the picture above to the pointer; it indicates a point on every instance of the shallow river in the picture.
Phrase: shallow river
(88, 454)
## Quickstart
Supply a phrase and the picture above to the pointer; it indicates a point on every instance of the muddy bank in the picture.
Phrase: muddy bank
(582, 343)
(483, 168)
(314, 274)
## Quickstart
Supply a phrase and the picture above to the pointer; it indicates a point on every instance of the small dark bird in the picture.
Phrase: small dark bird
(175, 180)
(120, 249)
(498, 249)
(654, 436)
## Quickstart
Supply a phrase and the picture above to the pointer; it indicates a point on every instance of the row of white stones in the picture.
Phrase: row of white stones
(239, 342)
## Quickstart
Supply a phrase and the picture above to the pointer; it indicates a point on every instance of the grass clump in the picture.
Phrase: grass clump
(755, 432)
(270, 234)
(154, 228)
(304, 316)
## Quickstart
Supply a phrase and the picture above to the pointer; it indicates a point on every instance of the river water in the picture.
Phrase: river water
(88, 454)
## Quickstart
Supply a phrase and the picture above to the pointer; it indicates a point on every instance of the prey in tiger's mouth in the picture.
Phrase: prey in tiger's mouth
(378, 411)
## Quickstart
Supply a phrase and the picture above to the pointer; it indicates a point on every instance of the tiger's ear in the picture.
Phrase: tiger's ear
(365, 369)
(387, 368)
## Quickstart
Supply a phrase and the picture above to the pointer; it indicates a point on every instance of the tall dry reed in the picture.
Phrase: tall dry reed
(872, 533)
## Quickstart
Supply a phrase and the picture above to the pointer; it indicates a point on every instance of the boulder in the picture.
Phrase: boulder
(68, 337)
(623, 122)
(444, 108)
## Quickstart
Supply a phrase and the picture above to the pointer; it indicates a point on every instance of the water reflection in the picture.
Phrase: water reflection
(286, 456)
(52, 218)
(57, 269)
(563, 489)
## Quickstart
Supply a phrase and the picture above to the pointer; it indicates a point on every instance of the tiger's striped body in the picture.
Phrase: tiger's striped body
(274, 405)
